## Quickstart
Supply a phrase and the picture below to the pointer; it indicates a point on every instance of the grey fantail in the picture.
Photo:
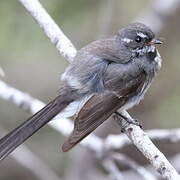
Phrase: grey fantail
(114, 72)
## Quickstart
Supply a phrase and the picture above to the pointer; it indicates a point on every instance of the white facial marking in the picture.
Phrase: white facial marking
(127, 40)
(158, 59)
(141, 35)
(151, 49)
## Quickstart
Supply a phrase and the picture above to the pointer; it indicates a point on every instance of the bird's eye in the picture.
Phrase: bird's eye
(138, 39)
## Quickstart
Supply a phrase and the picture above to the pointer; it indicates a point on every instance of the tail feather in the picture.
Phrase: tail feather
(16, 137)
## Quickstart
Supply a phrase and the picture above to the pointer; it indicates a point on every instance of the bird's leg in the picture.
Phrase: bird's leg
(119, 116)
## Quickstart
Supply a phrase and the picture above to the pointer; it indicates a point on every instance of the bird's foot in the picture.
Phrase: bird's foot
(118, 116)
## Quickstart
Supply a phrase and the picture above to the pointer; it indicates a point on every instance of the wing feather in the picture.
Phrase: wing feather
(99, 108)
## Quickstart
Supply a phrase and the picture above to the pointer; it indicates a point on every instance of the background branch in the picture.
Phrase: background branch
(50, 28)
(115, 142)
(128, 162)
(33, 163)
(157, 13)
(113, 170)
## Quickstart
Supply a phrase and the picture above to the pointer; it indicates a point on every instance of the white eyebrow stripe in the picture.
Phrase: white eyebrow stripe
(127, 40)
(141, 35)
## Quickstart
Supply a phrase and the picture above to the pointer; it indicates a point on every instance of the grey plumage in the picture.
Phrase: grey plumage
(116, 71)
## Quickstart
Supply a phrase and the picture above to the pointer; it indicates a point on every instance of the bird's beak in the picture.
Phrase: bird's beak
(155, 41)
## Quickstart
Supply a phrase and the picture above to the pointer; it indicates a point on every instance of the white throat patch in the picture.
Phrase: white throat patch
(144, 50)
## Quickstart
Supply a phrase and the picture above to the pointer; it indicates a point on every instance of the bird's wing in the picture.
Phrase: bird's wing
(99, 108)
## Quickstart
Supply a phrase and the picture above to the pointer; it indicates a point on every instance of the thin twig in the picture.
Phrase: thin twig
(113, 170)
(30, 161)
(114, 142)
(126, 161)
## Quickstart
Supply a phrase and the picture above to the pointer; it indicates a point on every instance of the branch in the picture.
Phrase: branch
(113, 170)
(175, 160)
(92, 142)
(151, 152)
(33, 163)
(126, 161)
(32, 105)
(50, 28)
(115, 142)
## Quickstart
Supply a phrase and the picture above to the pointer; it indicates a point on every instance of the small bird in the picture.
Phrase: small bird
(114, 72)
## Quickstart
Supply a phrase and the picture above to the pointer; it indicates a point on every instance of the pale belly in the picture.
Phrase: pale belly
(136, 99)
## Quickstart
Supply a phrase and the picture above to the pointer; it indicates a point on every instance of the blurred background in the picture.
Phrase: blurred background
(32, 64)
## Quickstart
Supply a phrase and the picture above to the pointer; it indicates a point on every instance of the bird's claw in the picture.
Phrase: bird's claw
(127, 122)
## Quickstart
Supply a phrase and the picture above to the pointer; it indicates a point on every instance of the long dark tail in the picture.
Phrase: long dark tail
(16, 137)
